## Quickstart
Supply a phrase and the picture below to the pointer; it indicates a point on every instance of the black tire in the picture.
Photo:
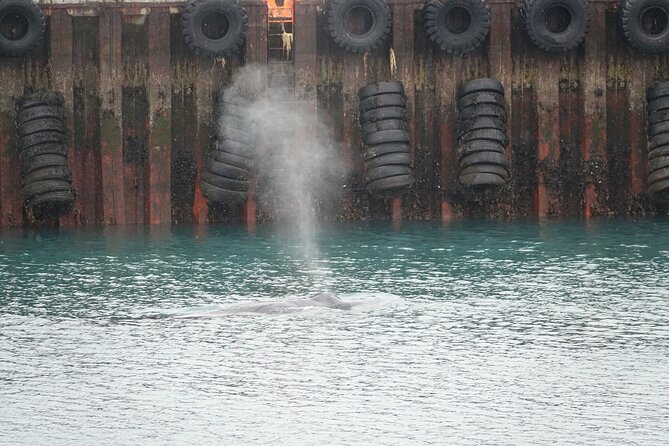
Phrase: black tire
(233, 122)
(658, 129)
(658, 116)
(47, 137)
(41, 98)
(384, 149)
(479, 145)
(236, 111)
(233, 134)
(336, 17)
(234, 160)
(379, 88)
(31, 25)
(658, 151)
(658, 163)
(386, 124)
(391, 170)
(219, 195)
(481, 84)
(658, 90)
(535, 14)
(49, 173)
(59, 200)
(40, 162)
(481, 180)
(480, 97)
(485, 168)
(41, 187)
(43, 149)
(482, 111)
(485, 134)
(659, 191)
(225, 42)
(235, 148)
(657, 105)
(397, 158)
(389, 186)
(383, 100)
(226, 170)
(225, 183)
(481, 123)
(40, 112)
(379, 114)
(633, 16)
(386, 136)
(494, 158)
(40, 125)
(436, 14)
(659, 140)
(658, 175)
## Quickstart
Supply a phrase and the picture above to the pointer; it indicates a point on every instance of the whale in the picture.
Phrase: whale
(317, 300)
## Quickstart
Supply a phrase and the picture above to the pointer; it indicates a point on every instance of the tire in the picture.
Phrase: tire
(658, 129)
(386, 136)
(336, 12)
(236, 135)
(232, 159)
(63, 199)
(225, 183)
(32, 16)
(235, 148)
(436, 15)
(658, 116)
(233, 122)
(235, 111)
(485, 168)
(483, 111)
(657, 105)
(658, 163)
(481, 97)
(39, 112)
(49, 173)
(195, 17)
(379, 114)
(219, 195)
(481, 180)
(391, 170)
(481, 123)
(389, 185)
(41, 187)
(40, 162)
(383, 100)
(658, 175)
(659, 151)
(658, 90)
(397, 158)
(379, 88)
(384, 149)
(479, 145)
(40, 125)
(40, 138)
(44, 149)
(658, 191)
(659, 140)
(386, 124)
(498, 136)
(226, 170)
(494, 158)
(631, 16)
(42, 98)
(535, 17)
(481, 84)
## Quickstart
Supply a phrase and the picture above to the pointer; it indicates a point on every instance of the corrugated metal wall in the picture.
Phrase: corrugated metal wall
(141, 105)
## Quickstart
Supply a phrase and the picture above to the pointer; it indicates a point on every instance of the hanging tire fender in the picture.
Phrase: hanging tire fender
(535, 16)
(337, 14)
(23, 27)
(214, 27)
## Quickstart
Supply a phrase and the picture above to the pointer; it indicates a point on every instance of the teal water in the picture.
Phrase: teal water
(475, 333)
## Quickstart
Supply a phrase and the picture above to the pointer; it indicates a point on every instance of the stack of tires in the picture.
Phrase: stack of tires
(482, 134)
(658, 137)
(46, 177)
(226, 175)
(385, 137)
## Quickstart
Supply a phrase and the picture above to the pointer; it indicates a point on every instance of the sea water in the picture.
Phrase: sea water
(473, 333)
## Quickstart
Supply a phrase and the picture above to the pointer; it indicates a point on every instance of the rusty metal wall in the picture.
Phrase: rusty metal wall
(141, 108)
